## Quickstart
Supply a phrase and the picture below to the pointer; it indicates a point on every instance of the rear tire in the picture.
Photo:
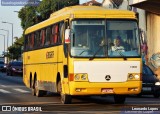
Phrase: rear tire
(119, 99)
(39, 93)
(65, 99)
(36, 91)
(33, 92)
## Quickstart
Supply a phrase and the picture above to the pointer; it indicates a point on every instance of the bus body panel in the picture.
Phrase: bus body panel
(98, 70)
(44, 64)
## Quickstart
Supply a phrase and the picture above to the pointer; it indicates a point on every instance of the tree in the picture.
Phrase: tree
(15, 50)
(31, 15)
(28, 16)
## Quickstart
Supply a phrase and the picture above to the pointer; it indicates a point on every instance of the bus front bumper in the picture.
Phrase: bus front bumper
(86, 88)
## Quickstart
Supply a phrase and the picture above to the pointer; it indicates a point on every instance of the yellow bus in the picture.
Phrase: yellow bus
(74, 53)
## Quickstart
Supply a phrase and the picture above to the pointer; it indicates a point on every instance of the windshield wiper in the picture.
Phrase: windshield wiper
(118, 50)
(101, 46)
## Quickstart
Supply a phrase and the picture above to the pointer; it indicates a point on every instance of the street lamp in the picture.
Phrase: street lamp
(7, 35)
(7, 42)
(12, 29)
(4, 41)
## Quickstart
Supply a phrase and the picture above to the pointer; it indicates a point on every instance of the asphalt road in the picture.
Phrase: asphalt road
(16, 98)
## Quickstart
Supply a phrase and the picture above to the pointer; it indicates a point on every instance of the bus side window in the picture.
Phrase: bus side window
(42, 37)
(32, 41)
(47, 38)
(26, 42)
(61, 32)
(55, 33)
(52, 35)
(37, 39)
(29, 42)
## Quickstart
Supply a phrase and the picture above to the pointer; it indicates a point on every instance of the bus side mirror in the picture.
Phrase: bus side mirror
(67, 36)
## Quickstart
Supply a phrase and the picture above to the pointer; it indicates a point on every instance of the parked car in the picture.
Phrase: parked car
(14, 68)
(4, 68)
(150, 83)
(1, 66)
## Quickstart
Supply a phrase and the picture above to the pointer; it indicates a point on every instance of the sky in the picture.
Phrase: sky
(8, 14)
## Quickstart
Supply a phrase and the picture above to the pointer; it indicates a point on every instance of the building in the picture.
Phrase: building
(152, 8)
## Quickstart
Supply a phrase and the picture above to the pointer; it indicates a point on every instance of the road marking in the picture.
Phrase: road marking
(3, 85)
(4, 91)
(21, 90)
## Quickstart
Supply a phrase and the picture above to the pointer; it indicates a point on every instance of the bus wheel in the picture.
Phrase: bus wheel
(33, 92)
(65, 99)
(38, 93)
(119, 99)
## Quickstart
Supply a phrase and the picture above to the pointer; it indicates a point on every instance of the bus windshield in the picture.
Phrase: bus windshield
(105, 38)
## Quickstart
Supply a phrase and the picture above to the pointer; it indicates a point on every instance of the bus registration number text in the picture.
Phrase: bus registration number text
(107, 90)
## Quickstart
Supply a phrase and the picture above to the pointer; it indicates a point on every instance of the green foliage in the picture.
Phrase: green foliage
(28, 16)
(49, 6)
(46, 8)
(31, 15)
(15, 50)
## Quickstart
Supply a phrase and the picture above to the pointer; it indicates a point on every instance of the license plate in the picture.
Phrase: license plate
(146, 88)
(107, 90)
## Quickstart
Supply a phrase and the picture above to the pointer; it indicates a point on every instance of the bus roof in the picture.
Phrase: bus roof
(82, 12)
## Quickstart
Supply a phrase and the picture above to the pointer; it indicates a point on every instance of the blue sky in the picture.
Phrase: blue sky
(7, 14)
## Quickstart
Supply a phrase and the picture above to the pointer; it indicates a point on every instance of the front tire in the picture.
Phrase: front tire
(65, 99)
(119, 99)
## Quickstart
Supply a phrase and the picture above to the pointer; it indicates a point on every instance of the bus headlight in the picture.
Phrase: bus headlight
(136, 77)
(81, 77)
(130, 76)
(133, 76)
(77, 77)
(84, 77)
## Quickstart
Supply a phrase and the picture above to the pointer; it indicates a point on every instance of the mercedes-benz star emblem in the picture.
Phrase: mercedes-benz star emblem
(108, 77)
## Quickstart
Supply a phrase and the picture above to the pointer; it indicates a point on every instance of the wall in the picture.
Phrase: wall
(153, 30)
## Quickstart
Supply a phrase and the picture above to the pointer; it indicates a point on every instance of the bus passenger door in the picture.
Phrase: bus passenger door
(62, 59)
